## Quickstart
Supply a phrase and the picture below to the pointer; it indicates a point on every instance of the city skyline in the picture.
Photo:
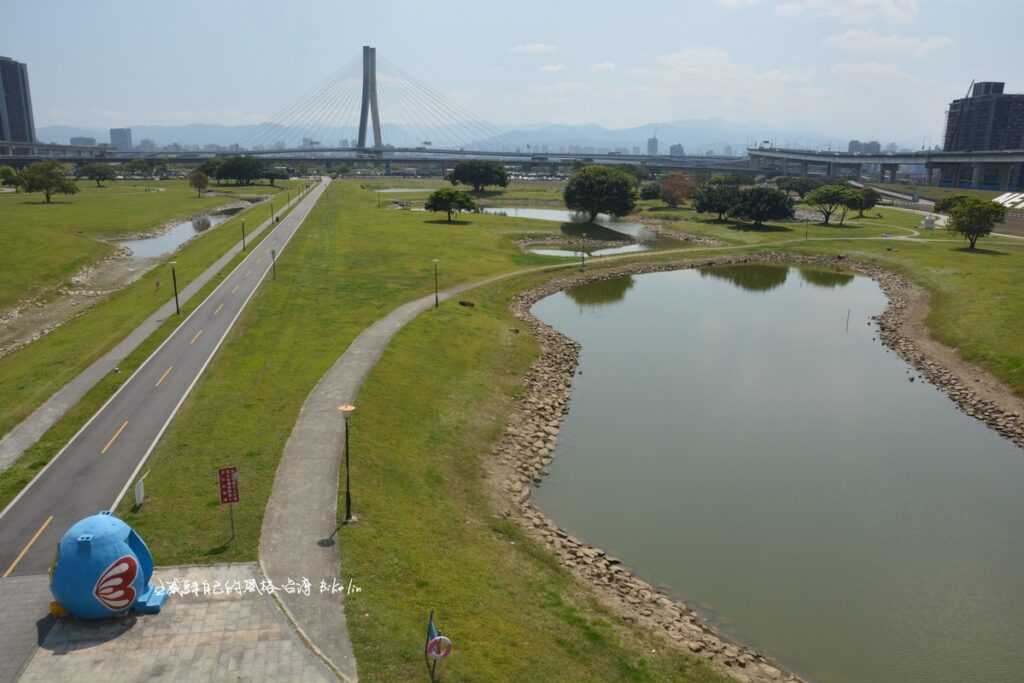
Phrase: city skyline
(833, 62)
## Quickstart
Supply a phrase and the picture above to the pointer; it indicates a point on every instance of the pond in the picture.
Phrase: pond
(575, 224)
(779, 471)
(169, 240)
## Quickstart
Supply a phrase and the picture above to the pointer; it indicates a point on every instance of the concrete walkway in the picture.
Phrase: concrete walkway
(297, 539)
(32, 428)
(228, 629)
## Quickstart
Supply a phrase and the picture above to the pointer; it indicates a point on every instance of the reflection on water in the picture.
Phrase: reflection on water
(753, 278)
(825, 278)
(731, 439)
(606, 251)
(169, 240)
(637, 231)
(602, 292)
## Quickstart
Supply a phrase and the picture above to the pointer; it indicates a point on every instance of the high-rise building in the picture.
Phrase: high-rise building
(675, 150)
(83, 141)
(987, 120)
(858, 147)
(652, 146)
(121, 139)
(16, 120)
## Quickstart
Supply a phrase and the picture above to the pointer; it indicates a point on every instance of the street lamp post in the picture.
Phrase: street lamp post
(347, 410)
(174, 279)
(436, 295)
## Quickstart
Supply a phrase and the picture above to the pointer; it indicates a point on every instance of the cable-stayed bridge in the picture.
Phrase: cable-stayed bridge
(370, 110)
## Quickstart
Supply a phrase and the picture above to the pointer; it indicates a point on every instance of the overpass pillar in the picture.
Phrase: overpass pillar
(978, 175)
(1004, 176)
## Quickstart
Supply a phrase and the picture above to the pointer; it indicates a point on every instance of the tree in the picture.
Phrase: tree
(828, 199)
(273, 175)
(974, 218)
(451, 200)
(8, 177)
(651, 190)
(760, 204)
(716, 197)
(199, 180)
(243, 170)
(47, 177)
(677, 188)
(596, 189)
(800, 185)
(98, 172)
(479, 173)
(210, 166)
(139, 167)
(947, 204)
(863, 200)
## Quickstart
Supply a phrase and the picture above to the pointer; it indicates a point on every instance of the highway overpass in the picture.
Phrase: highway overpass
(991, 170)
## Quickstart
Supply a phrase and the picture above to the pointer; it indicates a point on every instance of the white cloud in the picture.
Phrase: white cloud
(868, 42)
(857, 11)
(533, 49)
(603, 66)
(553, 68)
(868, 72)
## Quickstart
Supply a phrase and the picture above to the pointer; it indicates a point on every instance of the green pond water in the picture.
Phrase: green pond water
(740, 446)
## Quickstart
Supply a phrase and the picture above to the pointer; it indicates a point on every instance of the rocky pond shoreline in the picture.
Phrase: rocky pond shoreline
(526, 450)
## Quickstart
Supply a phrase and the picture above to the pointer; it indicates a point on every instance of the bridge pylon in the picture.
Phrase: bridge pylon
(369, 105)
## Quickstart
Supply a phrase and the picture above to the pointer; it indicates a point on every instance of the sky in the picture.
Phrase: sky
(866, 69)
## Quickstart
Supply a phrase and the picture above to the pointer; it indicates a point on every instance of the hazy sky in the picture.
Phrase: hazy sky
(882, 69)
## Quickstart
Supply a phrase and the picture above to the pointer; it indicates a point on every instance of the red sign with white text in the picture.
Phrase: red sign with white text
(228, 485)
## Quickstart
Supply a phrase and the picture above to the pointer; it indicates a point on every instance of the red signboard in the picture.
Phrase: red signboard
(229, 485)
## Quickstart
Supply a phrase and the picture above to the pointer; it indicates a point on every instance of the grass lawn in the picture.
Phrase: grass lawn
(33, 373)
(45, 244)
(427, 537)
(349, 265)
(430, 410)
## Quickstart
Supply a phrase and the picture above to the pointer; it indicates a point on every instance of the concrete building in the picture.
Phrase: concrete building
(83, 141)
(988, 120)
(652, 146)
(676, 150)
(16, 121)
(121, 139)
(858, 147)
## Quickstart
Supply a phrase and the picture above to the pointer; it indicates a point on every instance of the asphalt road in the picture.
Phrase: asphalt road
(93, 470)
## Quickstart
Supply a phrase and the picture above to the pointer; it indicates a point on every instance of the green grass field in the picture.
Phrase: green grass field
(433, 406)
(33, 373)
(46, 244)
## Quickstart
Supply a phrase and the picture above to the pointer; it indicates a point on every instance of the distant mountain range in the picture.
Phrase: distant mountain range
(696, 135)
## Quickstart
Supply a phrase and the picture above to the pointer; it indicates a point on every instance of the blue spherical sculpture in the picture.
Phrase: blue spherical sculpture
(103, 569)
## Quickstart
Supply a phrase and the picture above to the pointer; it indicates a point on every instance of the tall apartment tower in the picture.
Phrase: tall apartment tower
(987, 120)
(16, 121)
(121, 139)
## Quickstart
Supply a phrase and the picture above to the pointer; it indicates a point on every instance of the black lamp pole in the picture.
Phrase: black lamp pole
(436, 295)
(174, 279)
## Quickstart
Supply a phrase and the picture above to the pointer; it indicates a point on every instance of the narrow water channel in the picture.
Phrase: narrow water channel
(779, 471)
